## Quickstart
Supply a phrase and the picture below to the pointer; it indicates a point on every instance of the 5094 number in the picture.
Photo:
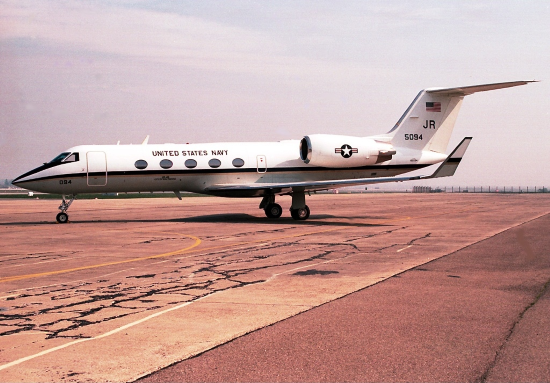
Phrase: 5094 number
(413, 137)
(65, 182)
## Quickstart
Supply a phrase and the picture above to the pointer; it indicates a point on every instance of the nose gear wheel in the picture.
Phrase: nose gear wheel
(62, 217)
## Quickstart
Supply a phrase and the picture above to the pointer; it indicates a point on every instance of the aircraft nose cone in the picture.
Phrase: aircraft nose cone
(16, 180)
(19, 179)
(22, 177)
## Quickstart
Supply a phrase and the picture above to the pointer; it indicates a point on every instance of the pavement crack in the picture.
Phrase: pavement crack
(366, 236)
(412, 241)
(510, 333)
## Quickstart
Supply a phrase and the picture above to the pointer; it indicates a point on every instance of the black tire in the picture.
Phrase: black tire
(273, 210)
(300, 214)
(62, 218)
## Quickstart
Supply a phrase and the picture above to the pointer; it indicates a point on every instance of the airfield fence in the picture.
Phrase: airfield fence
(481, 189)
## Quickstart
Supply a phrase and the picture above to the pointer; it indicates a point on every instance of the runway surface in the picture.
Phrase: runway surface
(130, 287)
(479, 314)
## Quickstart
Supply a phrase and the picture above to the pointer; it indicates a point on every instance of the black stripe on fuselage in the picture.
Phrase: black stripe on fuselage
(47, 165)
(454, 160)
(404, 168)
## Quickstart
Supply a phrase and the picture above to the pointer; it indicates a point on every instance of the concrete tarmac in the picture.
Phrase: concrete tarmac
(477, 315)
(130, 287)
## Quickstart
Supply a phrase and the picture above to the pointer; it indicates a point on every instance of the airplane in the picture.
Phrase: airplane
(267, 169)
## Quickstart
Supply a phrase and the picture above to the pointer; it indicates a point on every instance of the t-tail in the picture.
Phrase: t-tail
(428, 122)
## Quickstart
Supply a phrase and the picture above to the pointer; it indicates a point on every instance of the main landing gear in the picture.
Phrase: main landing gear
(300, 214)
(299, 210)
(63, 217)
(273, 210)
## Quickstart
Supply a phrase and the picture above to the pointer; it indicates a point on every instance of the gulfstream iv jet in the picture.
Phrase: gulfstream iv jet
(267, 169)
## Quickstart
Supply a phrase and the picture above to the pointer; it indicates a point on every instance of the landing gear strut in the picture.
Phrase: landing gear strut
(63, 217)
(299, 210)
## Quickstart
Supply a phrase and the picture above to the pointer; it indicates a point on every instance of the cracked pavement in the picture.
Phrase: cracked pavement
(87, 298)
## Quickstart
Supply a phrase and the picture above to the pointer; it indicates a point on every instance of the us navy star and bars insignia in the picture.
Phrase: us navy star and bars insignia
(345, 150)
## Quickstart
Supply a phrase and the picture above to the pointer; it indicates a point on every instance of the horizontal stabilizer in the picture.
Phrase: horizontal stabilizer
(448, 167)
(466, 90)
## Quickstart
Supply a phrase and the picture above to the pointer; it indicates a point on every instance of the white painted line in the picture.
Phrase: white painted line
(405, 248)
(126, 326)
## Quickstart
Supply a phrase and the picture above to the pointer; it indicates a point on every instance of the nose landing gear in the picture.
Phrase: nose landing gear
(63, 217)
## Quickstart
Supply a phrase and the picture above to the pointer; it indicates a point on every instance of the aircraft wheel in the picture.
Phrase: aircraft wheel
(273, 210)
(62, 218)
(300, 214)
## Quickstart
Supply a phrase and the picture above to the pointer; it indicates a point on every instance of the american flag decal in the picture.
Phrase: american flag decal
(433, 107)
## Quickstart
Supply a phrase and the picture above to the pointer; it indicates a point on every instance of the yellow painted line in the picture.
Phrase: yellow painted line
(198, 242)
(202, 250)
(321, 231)
(54, 272)
(187, 249)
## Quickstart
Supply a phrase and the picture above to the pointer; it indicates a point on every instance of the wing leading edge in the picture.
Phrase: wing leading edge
(446, 169)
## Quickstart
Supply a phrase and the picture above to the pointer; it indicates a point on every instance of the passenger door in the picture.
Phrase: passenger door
(97, 168)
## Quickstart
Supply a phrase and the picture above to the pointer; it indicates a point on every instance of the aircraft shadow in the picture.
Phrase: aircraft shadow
(314, 220)
(234, 218)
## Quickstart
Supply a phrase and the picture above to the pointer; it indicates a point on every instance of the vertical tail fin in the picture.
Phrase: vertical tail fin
(428, 122)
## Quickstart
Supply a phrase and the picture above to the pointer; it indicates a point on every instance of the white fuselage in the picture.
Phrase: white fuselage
(193, 167)
(267, 169)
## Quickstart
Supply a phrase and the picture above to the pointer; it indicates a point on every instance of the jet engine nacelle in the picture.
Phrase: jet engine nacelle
(334, 151)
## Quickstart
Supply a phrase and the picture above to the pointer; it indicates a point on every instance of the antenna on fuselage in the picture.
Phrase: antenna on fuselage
(145, 141)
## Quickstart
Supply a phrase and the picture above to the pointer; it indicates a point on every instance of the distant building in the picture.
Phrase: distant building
(422, 189)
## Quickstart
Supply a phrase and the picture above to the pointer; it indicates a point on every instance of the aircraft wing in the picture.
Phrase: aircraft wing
(446, 169)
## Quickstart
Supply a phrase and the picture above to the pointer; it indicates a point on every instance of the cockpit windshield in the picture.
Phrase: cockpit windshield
(65, 157)
(59, 158)
(72, 158)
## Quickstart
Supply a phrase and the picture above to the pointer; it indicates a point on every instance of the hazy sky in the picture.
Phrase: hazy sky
(95, 72)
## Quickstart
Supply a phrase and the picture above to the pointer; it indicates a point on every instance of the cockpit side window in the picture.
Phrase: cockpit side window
(60, 158)
(74, 157)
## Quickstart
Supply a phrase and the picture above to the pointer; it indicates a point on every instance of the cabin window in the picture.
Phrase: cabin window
(190, 163)
(214, 163)
(238, 162)
(166, 164)
(74, 157)
(141, 164)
